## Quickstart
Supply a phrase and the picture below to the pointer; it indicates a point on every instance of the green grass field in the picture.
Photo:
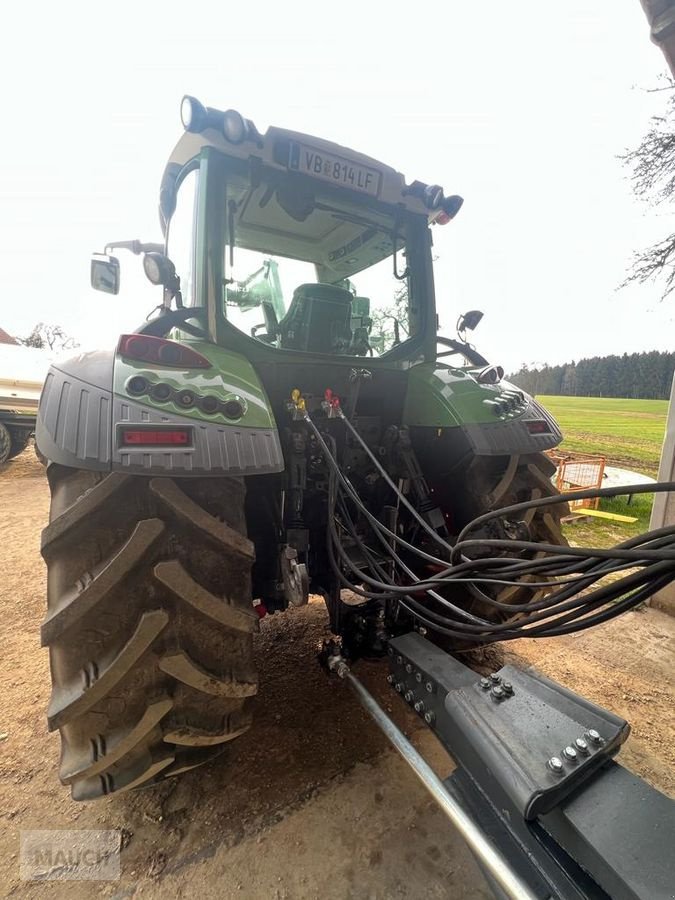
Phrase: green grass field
(629, 433)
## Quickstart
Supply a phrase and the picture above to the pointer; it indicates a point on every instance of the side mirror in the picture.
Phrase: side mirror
(105, 273)
(469, 320)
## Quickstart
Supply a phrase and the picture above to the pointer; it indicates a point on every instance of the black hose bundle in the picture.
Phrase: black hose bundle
(574, 599)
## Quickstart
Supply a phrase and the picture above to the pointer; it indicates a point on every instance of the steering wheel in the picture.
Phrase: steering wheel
(176, 318)
(470, 355)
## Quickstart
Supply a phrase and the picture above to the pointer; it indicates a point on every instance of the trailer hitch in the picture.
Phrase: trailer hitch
(536, 793)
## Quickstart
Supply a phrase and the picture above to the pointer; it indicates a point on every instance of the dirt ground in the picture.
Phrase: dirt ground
(309, 803)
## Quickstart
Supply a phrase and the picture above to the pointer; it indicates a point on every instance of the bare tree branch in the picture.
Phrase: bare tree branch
(43, 336)
(652, 165)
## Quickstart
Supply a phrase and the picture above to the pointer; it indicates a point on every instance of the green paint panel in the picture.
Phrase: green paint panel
(443, 397)
(231, 374)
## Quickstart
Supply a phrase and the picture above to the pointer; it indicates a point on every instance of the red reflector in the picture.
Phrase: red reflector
(538, 426)
(141, 438)
(160, 352)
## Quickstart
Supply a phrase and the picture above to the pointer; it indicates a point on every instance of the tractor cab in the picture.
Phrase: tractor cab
(292, 243)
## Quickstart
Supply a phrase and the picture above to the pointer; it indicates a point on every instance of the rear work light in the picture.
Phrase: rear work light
(146, 438)
(538, 426)
(160, 352)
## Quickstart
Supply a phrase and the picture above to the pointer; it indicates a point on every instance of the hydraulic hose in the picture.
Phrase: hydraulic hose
(572, 603)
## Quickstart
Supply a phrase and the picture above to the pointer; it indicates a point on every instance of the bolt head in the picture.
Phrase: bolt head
(418, 677)
(495, 677)
(422, 630)
(593, 736)
(399, 659)
(429, 687)
(570, 753)
(419, 706)
(408, 696)
(398, 687)
(429, 717)
(555, 764)
(390, 678)
(581, 745)
(408, 668)
(485, 683)
(390, 651)
(508, 687)
(497, 692)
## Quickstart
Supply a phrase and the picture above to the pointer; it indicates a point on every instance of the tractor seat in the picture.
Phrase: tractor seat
(318, 319)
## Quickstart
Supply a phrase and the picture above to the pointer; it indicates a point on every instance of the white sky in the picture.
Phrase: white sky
(520, 107)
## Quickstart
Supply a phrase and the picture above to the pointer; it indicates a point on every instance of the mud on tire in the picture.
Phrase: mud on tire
(149, 625)
(498, 482)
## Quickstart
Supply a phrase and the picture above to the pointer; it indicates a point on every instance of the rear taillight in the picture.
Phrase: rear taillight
(538, 426)
(140, 437)
(160, 352)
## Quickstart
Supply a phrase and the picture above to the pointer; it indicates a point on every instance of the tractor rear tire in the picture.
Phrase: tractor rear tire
(19, 438)
(495, 485)
(149, 625)
(5, 444)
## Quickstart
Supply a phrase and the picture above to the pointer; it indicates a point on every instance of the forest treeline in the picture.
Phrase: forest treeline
(646, 376)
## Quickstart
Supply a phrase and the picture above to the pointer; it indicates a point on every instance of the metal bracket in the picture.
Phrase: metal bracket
(295, 577)
(535, 770)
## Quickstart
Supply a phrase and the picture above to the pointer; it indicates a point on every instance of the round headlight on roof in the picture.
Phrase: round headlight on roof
(193, 114)
(234, 126)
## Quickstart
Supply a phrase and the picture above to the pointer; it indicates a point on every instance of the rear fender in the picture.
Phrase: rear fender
(86, 404)
(493, 418)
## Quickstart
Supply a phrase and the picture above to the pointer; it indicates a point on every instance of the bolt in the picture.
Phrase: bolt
(485, 683)
(398, 687)
(399, 659)
(421, 630)
(555, 765)
(419, 706)
(408, 668)
(429, 717)
(408, 696)
(593, 736)
(495, 677)
(581, 746)
(429, 687)
(570, 753)
(418, 677)
(390, 678)
(390, 651)
(508, 687)
(497, 693)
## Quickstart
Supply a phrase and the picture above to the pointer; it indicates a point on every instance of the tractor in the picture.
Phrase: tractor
(289, 422)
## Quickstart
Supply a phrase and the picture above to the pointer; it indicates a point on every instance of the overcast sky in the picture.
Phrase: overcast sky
(521, 107)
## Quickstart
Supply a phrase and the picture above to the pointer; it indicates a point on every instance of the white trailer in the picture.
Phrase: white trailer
(22, 374)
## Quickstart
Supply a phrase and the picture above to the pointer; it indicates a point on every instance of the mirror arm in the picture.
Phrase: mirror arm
(136, 247)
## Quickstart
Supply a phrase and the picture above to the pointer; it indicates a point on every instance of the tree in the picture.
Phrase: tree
(653, 175)
(49, 337)
(640, 375)
(383, 319)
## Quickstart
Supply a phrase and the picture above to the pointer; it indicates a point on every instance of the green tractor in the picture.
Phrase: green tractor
(233, 454)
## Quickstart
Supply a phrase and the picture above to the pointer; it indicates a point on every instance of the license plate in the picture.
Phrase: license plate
(333, 168)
